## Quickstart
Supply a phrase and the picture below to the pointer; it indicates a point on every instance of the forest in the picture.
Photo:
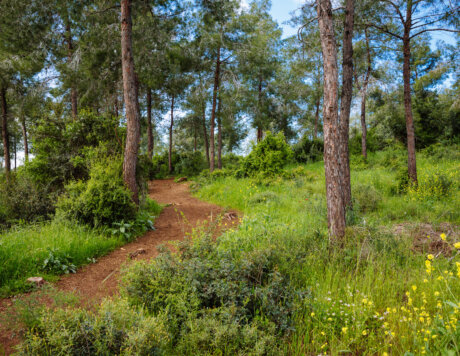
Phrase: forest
(202, 177)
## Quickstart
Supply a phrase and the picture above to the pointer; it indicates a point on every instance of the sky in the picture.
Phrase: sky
(281, 12)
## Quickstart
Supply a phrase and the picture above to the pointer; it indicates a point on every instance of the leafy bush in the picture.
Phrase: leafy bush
(433, 184)
(267, 158)
(100, 201)
(308, 150)
(204, 277)
(115, 329)
(24, 199)
(366, 197)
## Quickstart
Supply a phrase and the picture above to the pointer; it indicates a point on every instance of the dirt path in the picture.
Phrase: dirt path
(98, 280)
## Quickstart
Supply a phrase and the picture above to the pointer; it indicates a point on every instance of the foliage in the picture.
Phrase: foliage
(184, 164)
(434, 184)
(115, 329)
(267, 158)
(58, 262)
(308, 150)
(100, 201)
(365, 197)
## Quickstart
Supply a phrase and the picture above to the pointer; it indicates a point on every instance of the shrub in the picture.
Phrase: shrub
(183, 164)
(366, 197)
(267, 158)
(100, 201)
(433, 184)
(308, 150)
(24, 199)
(204, 277)
(115, 329)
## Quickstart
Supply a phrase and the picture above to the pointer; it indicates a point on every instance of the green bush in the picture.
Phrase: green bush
(183, 164)
(203, 277)
(100, 201)
(115, 329)
(433, 184)
(23, 199)
(366, 197)
(267, 158)
(308, 150)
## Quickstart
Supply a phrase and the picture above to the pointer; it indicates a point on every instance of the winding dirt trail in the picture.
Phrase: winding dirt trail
(98, 280)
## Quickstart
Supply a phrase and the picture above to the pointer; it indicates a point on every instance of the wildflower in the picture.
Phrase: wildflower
(364, 332)
(457, 245)
(425, 280)
(414, 287)
(344, 329)
(312, 314)
(443, 236)
(436, 293)
(364, 301)
(430, 256)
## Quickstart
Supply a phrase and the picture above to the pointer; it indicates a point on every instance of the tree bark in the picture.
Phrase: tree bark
(149, 124)
(332, 141)
(73, 90)
(205, 133)
(5, 134)
(213, 112)
(346, 96)
(364, 97)
(315, 133)
(411, 160)
(219, 135)
(131, 102)
(171, 125)
(25, 140)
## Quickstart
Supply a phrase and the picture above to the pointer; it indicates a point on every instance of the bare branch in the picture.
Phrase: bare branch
(434, 29)
(385, 30)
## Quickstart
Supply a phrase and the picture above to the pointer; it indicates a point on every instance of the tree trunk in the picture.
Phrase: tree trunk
(116, 105)
(332, 142)
(25, 141)
(364, 97)
(219, 135)
(73, 90)
(411, 161)
(205, 133)
(260, 132)
(5, 134)
(346, 96)
(15, 152)
(213, 112)
(171, 125)
(318, 101)
(131, 102)
(149, 124)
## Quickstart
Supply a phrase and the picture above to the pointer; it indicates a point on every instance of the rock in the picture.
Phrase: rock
(182, 179)
(37, 281)
(136, 253)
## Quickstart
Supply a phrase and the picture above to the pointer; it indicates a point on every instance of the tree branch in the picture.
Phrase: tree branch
(434, 29)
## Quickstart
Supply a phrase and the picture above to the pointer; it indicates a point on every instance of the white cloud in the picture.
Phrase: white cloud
(244, 4)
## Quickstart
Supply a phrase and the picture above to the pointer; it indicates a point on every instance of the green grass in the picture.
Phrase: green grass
(23, 249)
(362, 298)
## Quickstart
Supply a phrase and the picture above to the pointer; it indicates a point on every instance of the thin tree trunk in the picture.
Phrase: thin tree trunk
(25, 140)
(411, 160)
(131, 102)
(318, 101)
(5, 134)
(259, 112)
(205, 133)
(171, 125)
(149, 124)
(213, 112)
(116, 105)
(346, 96)
(219, 135)
(332, 141)
(73, 90)
(364, 97)
(15, 152)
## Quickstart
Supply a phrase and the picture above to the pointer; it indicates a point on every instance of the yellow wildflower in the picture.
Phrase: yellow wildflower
(457, 245)
(312, 314)
(443, 236)
(430, 256)
(344, 329)
(414, 287)
(364, 332)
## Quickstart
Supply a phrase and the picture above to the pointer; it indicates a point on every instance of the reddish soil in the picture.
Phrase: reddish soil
(98, 280)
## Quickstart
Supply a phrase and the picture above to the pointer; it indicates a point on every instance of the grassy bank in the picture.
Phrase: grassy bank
(392, 286)
(52, 248)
